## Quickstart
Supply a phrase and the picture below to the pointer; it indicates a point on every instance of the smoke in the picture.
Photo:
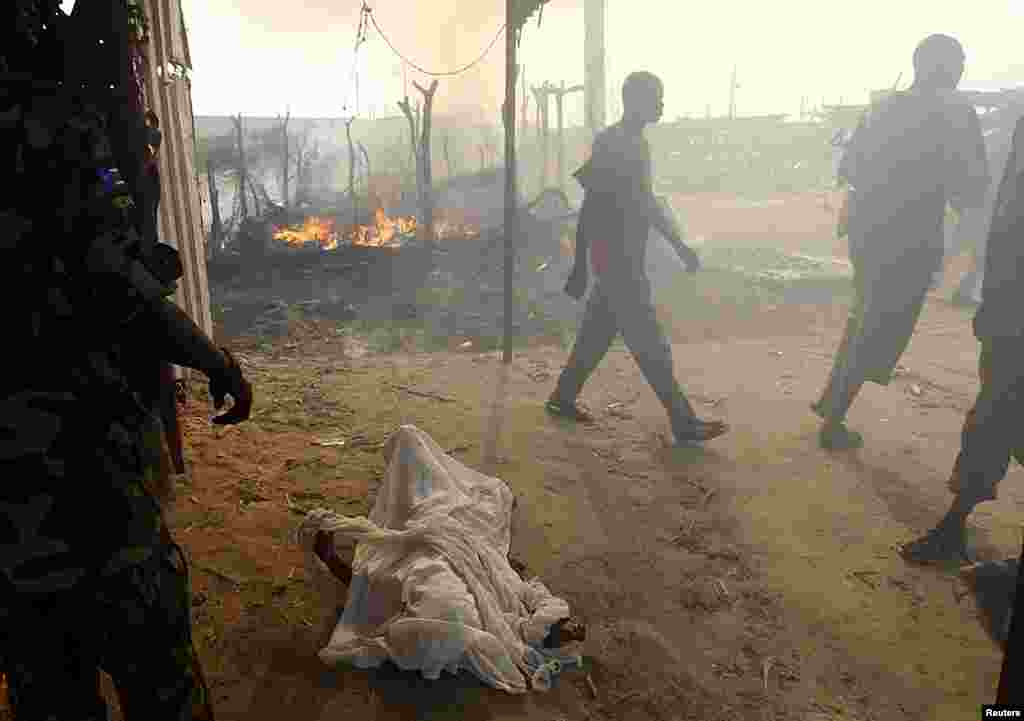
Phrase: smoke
(443, 35)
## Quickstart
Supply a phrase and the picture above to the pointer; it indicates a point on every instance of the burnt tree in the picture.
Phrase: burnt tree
(285, 159)
(241, 168)
(560, 94)
(424, 172)
(366, 161)
(352, 172)
(304, 161)
(216, 226)
(412, 114)
(541, 95)
(447, 154)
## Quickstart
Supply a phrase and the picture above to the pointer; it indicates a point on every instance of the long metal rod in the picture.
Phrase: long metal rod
(511, 211)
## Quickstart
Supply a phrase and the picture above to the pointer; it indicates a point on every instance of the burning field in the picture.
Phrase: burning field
(324, 231)
(384, 232)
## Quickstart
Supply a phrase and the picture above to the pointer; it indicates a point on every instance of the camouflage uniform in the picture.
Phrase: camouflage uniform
(89, 575)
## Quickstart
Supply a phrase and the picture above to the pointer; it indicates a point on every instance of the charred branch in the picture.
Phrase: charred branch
(285, 159)
(420, 131)
(351, 171)
(241, 168)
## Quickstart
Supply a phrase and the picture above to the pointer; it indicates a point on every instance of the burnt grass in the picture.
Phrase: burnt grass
(410, 298)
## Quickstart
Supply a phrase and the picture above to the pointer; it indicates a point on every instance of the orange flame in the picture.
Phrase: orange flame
(313, 230)
(385, 232)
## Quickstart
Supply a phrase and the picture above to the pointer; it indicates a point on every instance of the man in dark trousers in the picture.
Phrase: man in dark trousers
(1010, 690)
(993, 431)
(619, 207)
(914, 153)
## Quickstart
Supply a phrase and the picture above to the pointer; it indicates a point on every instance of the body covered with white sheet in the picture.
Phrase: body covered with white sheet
(432, 588)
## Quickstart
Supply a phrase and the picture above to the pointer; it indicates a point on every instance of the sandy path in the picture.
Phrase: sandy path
(857, 631)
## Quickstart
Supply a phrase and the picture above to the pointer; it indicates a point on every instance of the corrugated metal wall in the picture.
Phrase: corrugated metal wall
(181, 221)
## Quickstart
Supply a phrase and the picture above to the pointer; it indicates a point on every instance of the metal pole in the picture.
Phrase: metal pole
(511, 197)
(594, 68)
(732, 95)
(561, 139)
(546, 114)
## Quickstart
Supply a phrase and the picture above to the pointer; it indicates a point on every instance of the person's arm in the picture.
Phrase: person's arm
(855, 154)
(594, 177)
(175, 338)
(663, 223)
(967, 166)
(172, 336)
(660, 220)
(1000, 311)
(576, 285)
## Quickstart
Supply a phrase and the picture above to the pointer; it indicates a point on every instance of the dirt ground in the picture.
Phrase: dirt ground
(756, 578)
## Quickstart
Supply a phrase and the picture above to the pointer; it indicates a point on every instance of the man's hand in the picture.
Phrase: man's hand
(843, 216)
(576, 286)
(232, 383)
(689, 257)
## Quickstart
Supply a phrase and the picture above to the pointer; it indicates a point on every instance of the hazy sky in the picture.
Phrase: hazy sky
(259, 56)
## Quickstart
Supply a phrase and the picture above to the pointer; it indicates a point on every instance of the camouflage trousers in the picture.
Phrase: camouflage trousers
(135, 625)
(993, 431)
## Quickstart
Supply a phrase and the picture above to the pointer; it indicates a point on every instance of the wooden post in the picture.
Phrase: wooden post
(594, 77)
(732, 95)
(561, 136)
(540, 100)
(526, 98)
(536, 113)
(511, 195)
(546, 138)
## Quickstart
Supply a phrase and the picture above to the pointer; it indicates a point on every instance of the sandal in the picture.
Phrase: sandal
(839, 438)
(937, 546)
(698, 431)
(571, 411)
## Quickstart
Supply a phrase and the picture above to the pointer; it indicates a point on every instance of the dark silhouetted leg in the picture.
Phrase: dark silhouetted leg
(597, 332)
(638, 320)
(991, 434)
(1011, 692)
